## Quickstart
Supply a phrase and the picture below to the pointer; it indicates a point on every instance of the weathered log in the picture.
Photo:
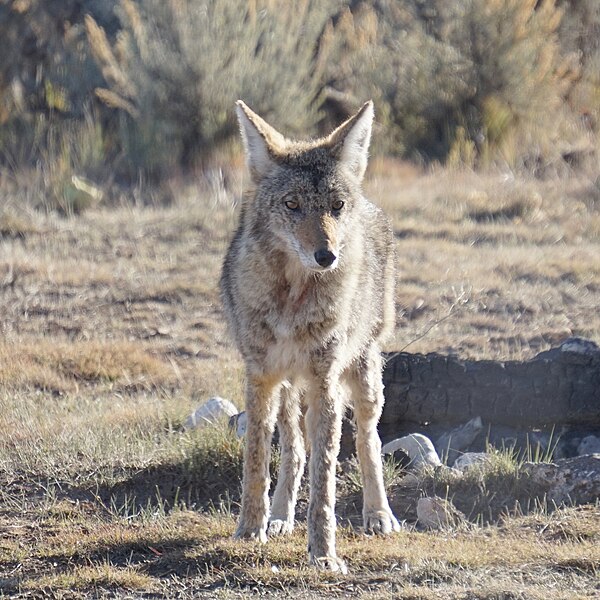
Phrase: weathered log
(557, 387)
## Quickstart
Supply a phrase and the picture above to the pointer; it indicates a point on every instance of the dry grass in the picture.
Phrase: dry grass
(60, 367)
(519, 277)
(75, 547)
(112, 333)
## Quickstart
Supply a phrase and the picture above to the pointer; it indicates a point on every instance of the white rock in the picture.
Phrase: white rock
(211, 412)
(579, 346)
(419, 448)
(458, 439)
(590, 444)
(239, 422)
(470, 459)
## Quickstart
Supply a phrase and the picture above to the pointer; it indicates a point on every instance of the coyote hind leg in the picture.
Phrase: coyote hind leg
(367, 392)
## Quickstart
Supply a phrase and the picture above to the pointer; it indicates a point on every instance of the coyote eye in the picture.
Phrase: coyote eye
(292, 204)
(337, 204)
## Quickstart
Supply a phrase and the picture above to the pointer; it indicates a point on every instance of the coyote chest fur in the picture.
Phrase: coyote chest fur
(307, 286)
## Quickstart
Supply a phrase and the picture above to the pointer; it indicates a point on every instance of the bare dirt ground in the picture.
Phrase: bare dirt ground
(112, 333)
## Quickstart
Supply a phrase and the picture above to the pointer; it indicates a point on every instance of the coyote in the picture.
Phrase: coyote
(308, 285)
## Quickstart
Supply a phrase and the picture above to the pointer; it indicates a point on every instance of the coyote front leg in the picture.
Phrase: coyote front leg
(293, 458)
(261, 408)
(324, 426)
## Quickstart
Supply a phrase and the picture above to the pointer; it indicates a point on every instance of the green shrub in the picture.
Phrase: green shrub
(518, 80)
(579, 36)
(176, 70)
(73, 153)
(47, 75)
(468, 81)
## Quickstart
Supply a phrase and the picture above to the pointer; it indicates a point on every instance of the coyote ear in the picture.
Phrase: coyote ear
(350, 141)
(262, 143)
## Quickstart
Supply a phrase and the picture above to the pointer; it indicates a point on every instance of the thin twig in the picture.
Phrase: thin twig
(452, 310)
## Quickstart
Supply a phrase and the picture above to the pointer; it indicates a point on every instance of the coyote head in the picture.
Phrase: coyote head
(305, 193)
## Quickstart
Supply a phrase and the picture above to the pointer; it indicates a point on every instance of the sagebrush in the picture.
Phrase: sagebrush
(477, 83)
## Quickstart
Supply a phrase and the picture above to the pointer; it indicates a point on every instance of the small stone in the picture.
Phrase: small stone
(438, 513)
(458, 439)
(568, 480)
(579, 345)
(449, 473)
(471, 459)
(211, 412)
(410, 480)
(590, 444)
(239, 423)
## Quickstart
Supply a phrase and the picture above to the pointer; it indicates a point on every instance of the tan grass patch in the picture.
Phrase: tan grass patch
(63, 367)
(13, 225)
(94, 577)
(60, 273)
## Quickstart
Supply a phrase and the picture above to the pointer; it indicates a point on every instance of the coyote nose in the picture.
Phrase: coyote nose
(325, 258)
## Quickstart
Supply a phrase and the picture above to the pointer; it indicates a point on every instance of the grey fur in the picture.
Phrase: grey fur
(309, 334)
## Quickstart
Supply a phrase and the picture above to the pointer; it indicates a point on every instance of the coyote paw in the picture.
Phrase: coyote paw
(244, 532)
(381, 522)
(333, 564)
(280, 527)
